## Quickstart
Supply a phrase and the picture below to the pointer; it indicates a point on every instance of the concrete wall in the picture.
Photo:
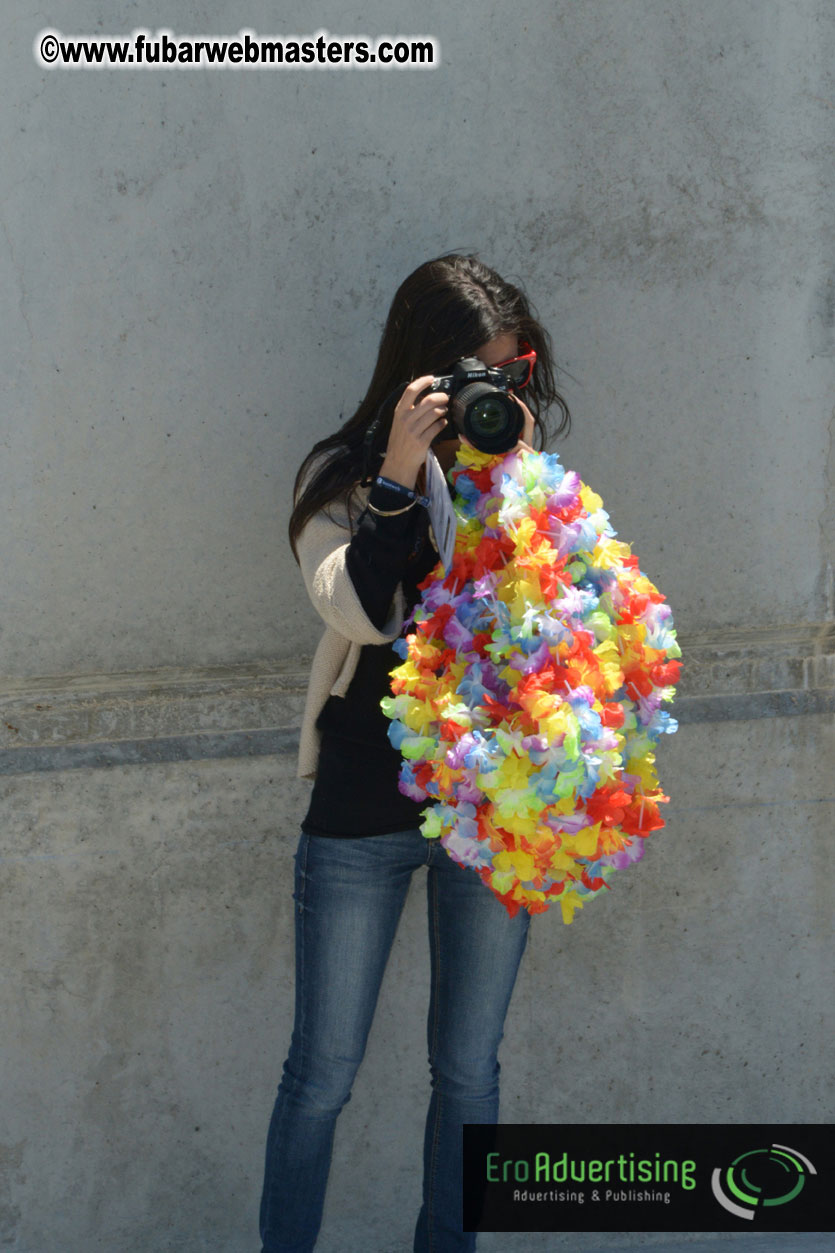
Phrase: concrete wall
(195, 268)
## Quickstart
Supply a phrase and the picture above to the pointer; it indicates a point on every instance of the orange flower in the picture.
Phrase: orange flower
(641, 816)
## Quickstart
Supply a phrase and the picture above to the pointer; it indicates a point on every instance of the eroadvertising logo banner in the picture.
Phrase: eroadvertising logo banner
(640, 1177)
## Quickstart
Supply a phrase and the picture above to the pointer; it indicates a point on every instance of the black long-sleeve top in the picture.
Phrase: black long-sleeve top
(355, 791)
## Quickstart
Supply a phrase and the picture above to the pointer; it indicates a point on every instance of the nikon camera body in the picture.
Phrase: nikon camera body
(481, 406)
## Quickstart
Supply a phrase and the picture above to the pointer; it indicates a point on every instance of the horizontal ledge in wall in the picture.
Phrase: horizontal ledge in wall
(167, 703)
(745, 707)
(71, 722)
(758, 661)
(199, 747)
(253, 709)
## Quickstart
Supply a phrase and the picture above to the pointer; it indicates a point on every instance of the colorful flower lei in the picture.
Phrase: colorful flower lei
(527, 707)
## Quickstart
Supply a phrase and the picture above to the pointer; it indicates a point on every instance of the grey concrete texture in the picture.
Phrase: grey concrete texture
(197, 265)
(147, 984)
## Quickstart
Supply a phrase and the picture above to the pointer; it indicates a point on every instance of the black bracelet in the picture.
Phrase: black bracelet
(380, 481)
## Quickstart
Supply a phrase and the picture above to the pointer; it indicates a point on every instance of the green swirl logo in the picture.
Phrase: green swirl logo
(760, 1178)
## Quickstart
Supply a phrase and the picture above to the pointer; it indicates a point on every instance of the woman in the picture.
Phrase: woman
(362, 554)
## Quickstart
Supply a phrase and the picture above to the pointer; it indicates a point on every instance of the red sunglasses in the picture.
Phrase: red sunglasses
(519, 369)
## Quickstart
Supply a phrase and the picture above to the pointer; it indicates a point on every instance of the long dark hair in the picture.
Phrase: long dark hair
(447, 309)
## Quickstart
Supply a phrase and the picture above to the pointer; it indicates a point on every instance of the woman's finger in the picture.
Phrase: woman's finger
(412, 392)
(529, 426)
(422, 418)
(410, 413)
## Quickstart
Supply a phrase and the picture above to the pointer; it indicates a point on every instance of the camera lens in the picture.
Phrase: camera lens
(487, 417)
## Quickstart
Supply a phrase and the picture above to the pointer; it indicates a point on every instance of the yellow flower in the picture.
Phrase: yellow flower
(610, 665)
(510, 676)
(609, 553)
(591, 501)
(585, 841)
(632, 633)
(644, 768)
(512, 817)
(556, 723)
(514, 772)
(420, 717)
(522, 863)
(565, 805)
(569, 901)
(561, 861)
(527, 593)
(525, 532)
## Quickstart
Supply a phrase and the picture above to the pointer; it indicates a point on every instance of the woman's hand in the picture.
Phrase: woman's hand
(528, 429)
(413, 427)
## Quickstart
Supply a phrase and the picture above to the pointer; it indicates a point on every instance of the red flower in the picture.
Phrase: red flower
(459, 572)
(665, 673)
(430, 578)
(423, 774)
(607, 806)
(637, 682)
(497, 710)
(551, 578)
(436, 624)
(482, 479)
(634, 607)
(551, 678)
(581, 647)
(556, 889)
(480, 641)
(490, 554)
(612, 715)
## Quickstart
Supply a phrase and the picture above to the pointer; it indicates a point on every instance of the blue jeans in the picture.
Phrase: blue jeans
(349, 894)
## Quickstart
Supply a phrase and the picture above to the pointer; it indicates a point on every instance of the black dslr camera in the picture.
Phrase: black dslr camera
(480, 405)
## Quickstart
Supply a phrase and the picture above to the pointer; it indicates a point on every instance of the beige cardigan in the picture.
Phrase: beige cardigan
(321, 548)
